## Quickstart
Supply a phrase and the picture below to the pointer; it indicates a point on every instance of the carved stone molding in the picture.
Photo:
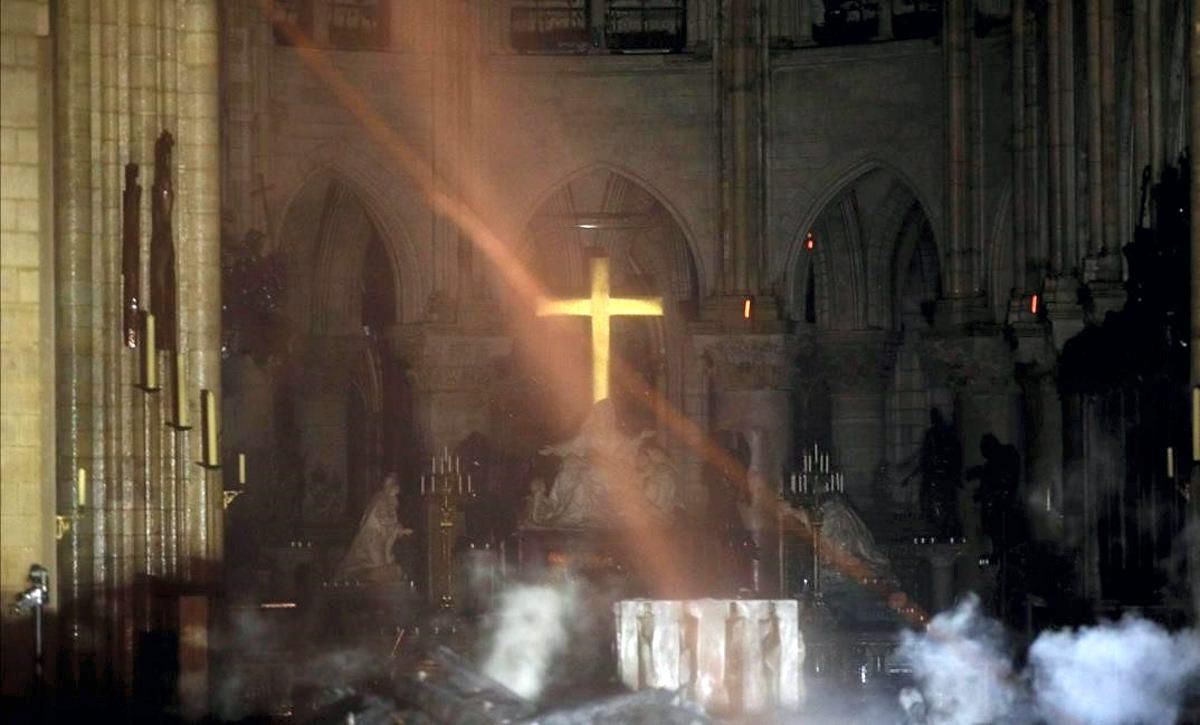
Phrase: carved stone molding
(861, 360)
(748, 362)
(965, 361)
(456, 362)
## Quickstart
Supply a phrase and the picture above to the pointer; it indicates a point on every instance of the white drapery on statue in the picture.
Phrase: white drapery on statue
(372, 556)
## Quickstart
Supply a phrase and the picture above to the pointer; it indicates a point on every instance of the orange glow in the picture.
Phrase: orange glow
(648, 549)
(1033, 304)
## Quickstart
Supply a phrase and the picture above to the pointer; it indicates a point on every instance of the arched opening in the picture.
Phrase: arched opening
(339, 414)
(605, 213)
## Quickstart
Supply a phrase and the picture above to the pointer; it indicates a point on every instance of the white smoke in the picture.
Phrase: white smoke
(1130, 672)
(530, 631)
(961, 669)
(1133, 671)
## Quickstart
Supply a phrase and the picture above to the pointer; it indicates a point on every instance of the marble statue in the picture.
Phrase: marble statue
(843, 532)
(602, 466)
(372, 556)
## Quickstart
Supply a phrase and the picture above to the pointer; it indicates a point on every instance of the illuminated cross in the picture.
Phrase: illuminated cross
(601, 307)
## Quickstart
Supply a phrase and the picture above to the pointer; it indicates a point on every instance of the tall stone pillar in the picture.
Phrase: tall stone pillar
(123, 75)
(751, 378)
(857, 364)
(1194, 120)
(740, 65)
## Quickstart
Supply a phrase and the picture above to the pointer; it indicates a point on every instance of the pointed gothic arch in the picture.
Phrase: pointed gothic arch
(856, 229)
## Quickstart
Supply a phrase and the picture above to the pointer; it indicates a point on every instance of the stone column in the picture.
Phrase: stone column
(124, 73)
(1194, 121)
(1111, 122)
(857, 364)
(1054, 142)
(1068, 242)
(740, 65)
(1020, 191)
(958, 151)
(751, 376)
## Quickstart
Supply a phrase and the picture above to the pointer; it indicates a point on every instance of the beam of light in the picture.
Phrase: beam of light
(654, 551)
(601, 306)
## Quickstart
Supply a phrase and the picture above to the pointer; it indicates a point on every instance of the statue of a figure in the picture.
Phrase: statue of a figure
(131, 254)
(372, 555)
(162, 244)
(941, 475)
(600, 466)
(845, 534)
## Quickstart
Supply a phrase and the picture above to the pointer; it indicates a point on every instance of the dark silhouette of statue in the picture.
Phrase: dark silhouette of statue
(941, 475)
(162, 245)
(999, 477)
(131, 254)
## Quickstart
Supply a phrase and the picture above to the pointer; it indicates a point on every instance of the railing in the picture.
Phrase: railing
(647, 28)
(916, 19)
(861, 21)
(358, 24)
(291, 21)
(551, 29)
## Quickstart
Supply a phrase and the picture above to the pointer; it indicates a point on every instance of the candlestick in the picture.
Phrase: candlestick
(149, 354)
(181, 396)
(208, 409)
(81, 488)
(241, 469)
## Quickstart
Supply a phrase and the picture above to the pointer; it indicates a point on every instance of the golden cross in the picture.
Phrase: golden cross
(601, 306)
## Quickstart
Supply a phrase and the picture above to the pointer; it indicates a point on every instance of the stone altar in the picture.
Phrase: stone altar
(730, 656)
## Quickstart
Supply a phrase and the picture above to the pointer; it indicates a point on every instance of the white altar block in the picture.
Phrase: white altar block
(728, 655)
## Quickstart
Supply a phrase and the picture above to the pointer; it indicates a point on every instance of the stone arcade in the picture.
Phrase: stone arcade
(888, 303)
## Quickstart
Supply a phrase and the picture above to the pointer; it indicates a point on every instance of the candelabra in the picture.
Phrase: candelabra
(446, 491)
(805, 490)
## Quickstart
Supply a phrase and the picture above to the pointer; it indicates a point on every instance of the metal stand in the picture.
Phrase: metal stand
(36, 597)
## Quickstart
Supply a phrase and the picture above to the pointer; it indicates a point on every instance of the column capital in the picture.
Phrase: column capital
(859, 359)
(970, 361)
(749, 361)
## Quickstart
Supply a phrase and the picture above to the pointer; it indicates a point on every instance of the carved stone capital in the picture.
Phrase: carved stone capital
(861, 360)
(969, 361)
(456, 362)
(749, 362)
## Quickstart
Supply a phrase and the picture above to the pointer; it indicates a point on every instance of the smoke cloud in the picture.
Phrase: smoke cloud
(530, 630)
(1132, 671)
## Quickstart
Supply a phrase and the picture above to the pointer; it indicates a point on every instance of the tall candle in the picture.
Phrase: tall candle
(469, 489)
(208, 406)
(422, 484)
(1170, 462)
(1196, 423)
(181, 397)
(241, 469)
(150, 355)
(81, 488)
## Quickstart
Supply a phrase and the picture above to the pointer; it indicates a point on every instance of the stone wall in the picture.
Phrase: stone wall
(538, 121)
(26, 321)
